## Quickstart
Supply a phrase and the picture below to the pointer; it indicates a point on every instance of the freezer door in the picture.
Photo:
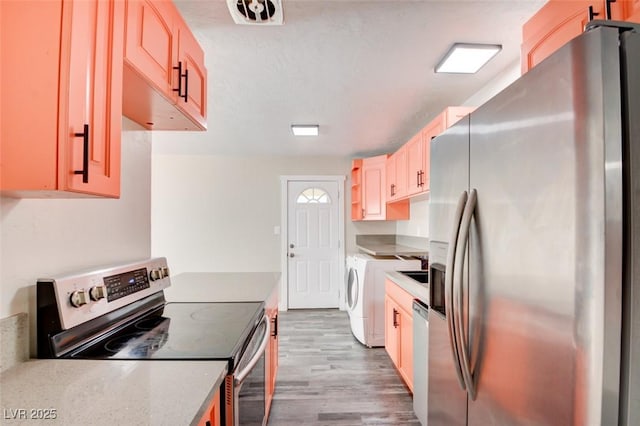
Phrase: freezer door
(449, 176)
(447, 400)
(630, 397)
(545, 243)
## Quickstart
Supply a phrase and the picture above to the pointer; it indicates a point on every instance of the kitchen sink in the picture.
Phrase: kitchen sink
(420, 276)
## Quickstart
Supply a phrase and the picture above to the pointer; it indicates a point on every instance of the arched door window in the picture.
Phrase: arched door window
(313, 195)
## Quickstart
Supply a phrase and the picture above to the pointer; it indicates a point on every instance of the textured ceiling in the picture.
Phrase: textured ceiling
(362, 70)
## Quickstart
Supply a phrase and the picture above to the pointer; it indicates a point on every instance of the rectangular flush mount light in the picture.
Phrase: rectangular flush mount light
(305, 129)
(467, 58)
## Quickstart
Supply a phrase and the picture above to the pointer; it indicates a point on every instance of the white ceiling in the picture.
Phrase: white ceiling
(362, 70)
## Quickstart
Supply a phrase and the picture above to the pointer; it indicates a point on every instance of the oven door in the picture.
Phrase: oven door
(249, 379)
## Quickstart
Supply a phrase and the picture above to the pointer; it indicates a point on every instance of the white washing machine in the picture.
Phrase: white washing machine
(365, 294)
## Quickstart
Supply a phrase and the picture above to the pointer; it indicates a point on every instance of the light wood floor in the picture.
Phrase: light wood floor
(326, 377)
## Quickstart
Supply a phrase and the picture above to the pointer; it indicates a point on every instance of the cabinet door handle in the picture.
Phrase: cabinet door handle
(608, 9)
(418, 178)
(393, 189)
(274, 331)
(85, 154)
(180, 76)
(592, 14)
(395, 318)
(186, 86)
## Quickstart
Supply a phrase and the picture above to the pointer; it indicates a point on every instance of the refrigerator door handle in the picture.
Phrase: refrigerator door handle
(461, 248)
(448, 286)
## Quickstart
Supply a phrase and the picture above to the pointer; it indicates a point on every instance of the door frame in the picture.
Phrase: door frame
(283, 303)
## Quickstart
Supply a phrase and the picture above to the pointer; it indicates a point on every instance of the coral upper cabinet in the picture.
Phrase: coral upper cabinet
(419, 147)
(164, 77)
(559, 21)
(368, 192)
(61, 98)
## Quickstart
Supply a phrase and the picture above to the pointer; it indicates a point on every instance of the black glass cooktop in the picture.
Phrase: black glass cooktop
(207, 331)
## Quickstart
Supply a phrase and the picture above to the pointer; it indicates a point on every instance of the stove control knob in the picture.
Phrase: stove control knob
(155, 274)
(165, 271)
(78, 298)
(96, 293)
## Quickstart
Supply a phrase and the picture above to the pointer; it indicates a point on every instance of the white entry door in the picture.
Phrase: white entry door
(313, 249)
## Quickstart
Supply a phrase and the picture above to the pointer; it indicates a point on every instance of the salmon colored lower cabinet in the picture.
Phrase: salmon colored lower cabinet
(61, 98)
(271, 353)
(212, 415)
(398, 331)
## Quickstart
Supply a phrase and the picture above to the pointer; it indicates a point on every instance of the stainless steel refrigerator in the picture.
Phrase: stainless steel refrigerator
(534, 260)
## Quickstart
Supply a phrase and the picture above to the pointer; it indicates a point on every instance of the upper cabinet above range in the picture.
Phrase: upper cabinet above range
(165, 79)
(61, 98)
(70, 70)
(559, 21)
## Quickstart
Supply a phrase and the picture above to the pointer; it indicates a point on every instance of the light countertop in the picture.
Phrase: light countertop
(416, 289)
(393, 245)
(222, 286)
(384, 249)
(109, 392)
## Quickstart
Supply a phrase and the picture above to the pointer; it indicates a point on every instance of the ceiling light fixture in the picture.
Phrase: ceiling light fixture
(305, 129)
(467, 58)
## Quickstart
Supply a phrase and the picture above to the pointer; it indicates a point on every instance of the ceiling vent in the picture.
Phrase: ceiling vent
(256, 12)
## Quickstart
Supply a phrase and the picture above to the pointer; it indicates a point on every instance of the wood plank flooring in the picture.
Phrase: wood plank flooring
(326, 377)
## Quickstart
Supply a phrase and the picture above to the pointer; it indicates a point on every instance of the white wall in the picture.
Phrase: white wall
(218, 213)
(495, 85)
(48, 237)
(418, 223)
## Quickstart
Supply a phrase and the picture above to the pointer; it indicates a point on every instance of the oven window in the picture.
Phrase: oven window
(251, 400)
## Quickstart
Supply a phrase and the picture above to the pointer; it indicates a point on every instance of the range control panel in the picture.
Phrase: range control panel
(83, 297)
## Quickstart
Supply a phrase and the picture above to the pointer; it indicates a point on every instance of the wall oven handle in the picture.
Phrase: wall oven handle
(463, 239)
(448, 286)
(240, 376)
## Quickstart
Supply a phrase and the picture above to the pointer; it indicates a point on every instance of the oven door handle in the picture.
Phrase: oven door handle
(240, 376)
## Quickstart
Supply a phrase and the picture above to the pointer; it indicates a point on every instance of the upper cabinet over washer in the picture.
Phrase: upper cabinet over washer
(165, 79)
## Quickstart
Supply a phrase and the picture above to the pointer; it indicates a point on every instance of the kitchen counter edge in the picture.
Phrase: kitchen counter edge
(417, 290)
(107, 392)
(392, 250)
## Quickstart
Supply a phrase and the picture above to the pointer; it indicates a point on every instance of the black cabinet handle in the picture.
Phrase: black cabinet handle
(418, 178)
(186, 86)
(186, 81)
(608, 9)
(393, 189)
(274, 332)
(85, 154)
(395, 321)
(592, 14)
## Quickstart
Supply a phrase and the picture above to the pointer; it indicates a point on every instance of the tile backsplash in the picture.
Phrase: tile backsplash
(14, 338)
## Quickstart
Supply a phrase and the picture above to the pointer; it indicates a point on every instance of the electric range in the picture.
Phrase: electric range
(120, 312)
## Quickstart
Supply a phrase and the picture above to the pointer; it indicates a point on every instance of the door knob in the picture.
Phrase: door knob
(291, 245)
(292, 255)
